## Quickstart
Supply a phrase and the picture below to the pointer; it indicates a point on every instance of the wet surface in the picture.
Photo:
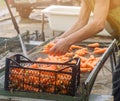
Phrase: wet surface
(8, 100)
(3, 12)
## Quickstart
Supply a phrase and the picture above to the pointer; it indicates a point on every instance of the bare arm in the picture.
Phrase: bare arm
(101, 10)
(82, 20)
(100, 14)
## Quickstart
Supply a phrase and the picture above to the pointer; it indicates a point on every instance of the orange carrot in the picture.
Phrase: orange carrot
(97, 48)
(85, 69)
(69, 54)
(83, 59)
(40, 59)
(93, 45)
(47, 47)
(34, 66)
(46, 51)
(95, 61)
(82, 52)
(100, 51)
(75, 47)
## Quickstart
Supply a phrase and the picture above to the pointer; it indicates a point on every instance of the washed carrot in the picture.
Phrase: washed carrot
(83, 65)
(75, 47)
(100, 51)
(47, 47)
(95, 61)
(34, 66)
(89, 63)
(93, 45)
(85, 69)
(70, 54)
(52, 67)
(82, 52)
(97, 48)
(86, 65)
(83, 59)
(40, 59)
(46, 51)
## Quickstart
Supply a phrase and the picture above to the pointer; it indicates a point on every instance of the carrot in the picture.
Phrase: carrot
(83, 65)
(69, 54)
(85, 69)
(46, 51)
(34, 66)
(52, 67)
(93, 45)
(95, 61)
(75, 47)
(40, 59)
(82, 52)
(76, 56)
(83, 59)
(97, 48)
(47, 47)
(100, 51)
(89, 63)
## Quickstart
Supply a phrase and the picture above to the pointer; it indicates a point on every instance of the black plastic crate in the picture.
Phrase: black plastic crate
(19, 76)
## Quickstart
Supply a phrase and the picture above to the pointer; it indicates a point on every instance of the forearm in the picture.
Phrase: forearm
(94, 26)
(83, 30)
(73, 29)
(84, 33)
(81, 21)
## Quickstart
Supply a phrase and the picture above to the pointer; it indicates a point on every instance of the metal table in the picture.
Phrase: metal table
(24, 96)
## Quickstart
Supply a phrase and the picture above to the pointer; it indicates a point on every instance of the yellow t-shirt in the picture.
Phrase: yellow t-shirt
(113, 20)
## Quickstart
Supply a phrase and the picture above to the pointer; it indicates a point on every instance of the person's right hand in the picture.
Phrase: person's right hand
(60, 48)
(56, 39)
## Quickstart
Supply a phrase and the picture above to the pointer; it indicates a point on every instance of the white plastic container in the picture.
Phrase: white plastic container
(61, 17)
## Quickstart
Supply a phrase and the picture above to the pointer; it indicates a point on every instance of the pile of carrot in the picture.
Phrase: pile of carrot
(88, 65)
(38, 81)
(47, 47)
(88, 61)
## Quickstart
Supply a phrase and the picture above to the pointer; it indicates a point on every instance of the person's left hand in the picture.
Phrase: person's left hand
(60, 48)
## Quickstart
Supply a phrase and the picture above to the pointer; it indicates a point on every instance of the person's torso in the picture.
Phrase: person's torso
(114, 4)
(113, 19)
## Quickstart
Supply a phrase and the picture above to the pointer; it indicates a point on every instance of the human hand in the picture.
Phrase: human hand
(56, 39)
(60, 48)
